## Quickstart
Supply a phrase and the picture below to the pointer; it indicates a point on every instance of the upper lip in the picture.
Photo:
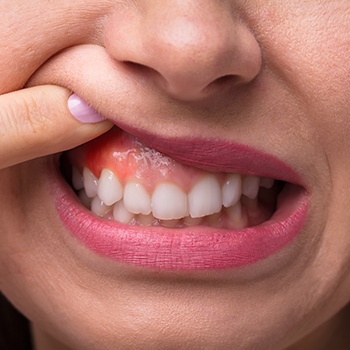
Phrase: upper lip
(218, 155)
(207, 153)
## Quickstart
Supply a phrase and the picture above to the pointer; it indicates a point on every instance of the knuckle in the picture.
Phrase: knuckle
(24, 117)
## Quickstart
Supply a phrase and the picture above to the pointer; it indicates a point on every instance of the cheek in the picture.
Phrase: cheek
(10, 208)
(29, 252)
(36, 30)
(307, 49)
(12, 225)
(23, 45)
(13, 261)
(307, 46)
(22, 224)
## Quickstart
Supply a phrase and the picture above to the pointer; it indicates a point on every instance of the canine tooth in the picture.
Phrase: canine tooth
(205, 197)
(267, 182)
(109, 188)
(77, 179)
(98, 207)
(169, 202)
(231, 190)
(84, 199)
(136, 198)
(90, 183)
(121, 214)
(250, 186)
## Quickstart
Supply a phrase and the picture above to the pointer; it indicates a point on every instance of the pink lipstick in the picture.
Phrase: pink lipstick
(201, 247)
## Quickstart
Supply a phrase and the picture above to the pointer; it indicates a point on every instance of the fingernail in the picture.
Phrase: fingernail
(82, 111)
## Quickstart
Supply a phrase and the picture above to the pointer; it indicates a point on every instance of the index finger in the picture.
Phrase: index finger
(36, 121)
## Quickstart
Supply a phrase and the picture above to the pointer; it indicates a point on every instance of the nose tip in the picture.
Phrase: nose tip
(190, 56)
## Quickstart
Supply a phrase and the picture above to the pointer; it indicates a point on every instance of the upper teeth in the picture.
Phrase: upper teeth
(231, 190)
(109, 188)
(136, 198)
(205, 197)
(167, 201)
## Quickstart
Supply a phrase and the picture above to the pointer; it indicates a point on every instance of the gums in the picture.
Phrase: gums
(127, 157)
(198, 247)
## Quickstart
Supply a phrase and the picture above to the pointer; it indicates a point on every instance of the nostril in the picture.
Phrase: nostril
(141, 70)
(222, 83)
(224, 80)
(136, 67)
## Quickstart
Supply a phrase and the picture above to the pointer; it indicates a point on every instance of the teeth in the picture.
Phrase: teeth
(90, 183)
(231, 190)
(136, 198)
(146, 220)
(170, 223)
(169, 202)
(205, 197)
(192, 221)
(214, 219)
(109, 188)
(169, 205)
(121, 214)
(235, 213)
(267, 182)
(84, 199)
(98, 207)
(250, 186)
(77, 179)
(109, 215)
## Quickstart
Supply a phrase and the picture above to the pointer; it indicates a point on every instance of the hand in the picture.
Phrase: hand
(36, 122)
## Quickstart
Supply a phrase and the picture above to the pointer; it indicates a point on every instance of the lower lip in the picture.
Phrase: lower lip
(187, 249)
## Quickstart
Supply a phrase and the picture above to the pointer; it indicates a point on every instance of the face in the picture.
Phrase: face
(226, 91)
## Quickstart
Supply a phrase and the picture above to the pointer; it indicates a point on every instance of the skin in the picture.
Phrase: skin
(286, 93)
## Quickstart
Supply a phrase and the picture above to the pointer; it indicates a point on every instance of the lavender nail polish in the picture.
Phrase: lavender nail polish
(82, 111)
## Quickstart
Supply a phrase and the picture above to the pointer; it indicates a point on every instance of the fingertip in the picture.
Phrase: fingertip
(82, 112)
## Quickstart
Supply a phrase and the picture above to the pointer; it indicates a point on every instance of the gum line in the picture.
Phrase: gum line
(120, 178)
(131, 160)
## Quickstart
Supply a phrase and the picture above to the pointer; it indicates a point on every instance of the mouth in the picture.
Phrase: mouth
(178, 204)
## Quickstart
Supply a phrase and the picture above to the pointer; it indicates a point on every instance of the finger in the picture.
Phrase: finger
(36, 122)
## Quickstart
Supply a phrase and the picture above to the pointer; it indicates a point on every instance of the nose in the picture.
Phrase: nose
(189, 48)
